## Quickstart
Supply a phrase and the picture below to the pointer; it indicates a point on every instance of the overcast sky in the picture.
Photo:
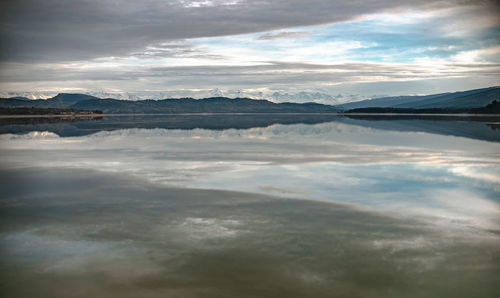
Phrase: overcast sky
(330, 50)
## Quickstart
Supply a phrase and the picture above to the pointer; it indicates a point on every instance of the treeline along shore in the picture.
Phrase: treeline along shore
(32, 111)
(492, 108)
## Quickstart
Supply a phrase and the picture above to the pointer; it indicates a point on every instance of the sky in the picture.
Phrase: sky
(326, 51)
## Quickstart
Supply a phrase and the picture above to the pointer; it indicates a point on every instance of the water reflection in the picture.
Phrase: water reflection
(475, 127)
(315, 209)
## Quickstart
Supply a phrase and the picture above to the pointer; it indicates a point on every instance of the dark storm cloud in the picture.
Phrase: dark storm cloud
(62, 30)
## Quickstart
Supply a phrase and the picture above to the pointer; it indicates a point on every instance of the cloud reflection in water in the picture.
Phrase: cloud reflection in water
(318, 208)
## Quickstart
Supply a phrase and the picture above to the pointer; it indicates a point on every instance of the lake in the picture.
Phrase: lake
(266, 205)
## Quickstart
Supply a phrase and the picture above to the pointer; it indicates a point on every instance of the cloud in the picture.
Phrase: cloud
(276, 80)
(207, 3)
(284, 34)
(269, 74)
(288, 46)
(56, 30)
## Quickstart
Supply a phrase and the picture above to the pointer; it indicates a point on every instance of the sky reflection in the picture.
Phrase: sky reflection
(336, 162)
(319, 208)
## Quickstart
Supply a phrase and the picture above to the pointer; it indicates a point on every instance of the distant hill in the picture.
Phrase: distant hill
(464, 99)
(168, 106)
(61, 101)
(460, 101)
(491, 108)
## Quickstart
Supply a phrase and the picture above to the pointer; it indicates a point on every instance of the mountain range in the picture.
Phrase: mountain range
(456, 100)
(272, 95)
(168, 106)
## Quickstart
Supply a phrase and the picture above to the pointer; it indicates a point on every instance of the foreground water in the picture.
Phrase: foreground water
(250, 206)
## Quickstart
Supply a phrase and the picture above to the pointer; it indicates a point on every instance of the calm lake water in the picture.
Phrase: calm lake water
(250, 206)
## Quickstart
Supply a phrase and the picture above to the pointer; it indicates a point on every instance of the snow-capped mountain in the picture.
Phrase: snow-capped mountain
(272, 95)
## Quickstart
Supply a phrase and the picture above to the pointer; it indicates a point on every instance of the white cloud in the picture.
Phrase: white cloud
(367, 46)
(207, 3)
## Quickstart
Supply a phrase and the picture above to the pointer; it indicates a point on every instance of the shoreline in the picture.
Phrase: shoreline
(222, 114)
(51, 116)
(420, 114)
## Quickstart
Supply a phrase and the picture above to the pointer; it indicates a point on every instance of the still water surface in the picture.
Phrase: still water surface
(250, 206)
